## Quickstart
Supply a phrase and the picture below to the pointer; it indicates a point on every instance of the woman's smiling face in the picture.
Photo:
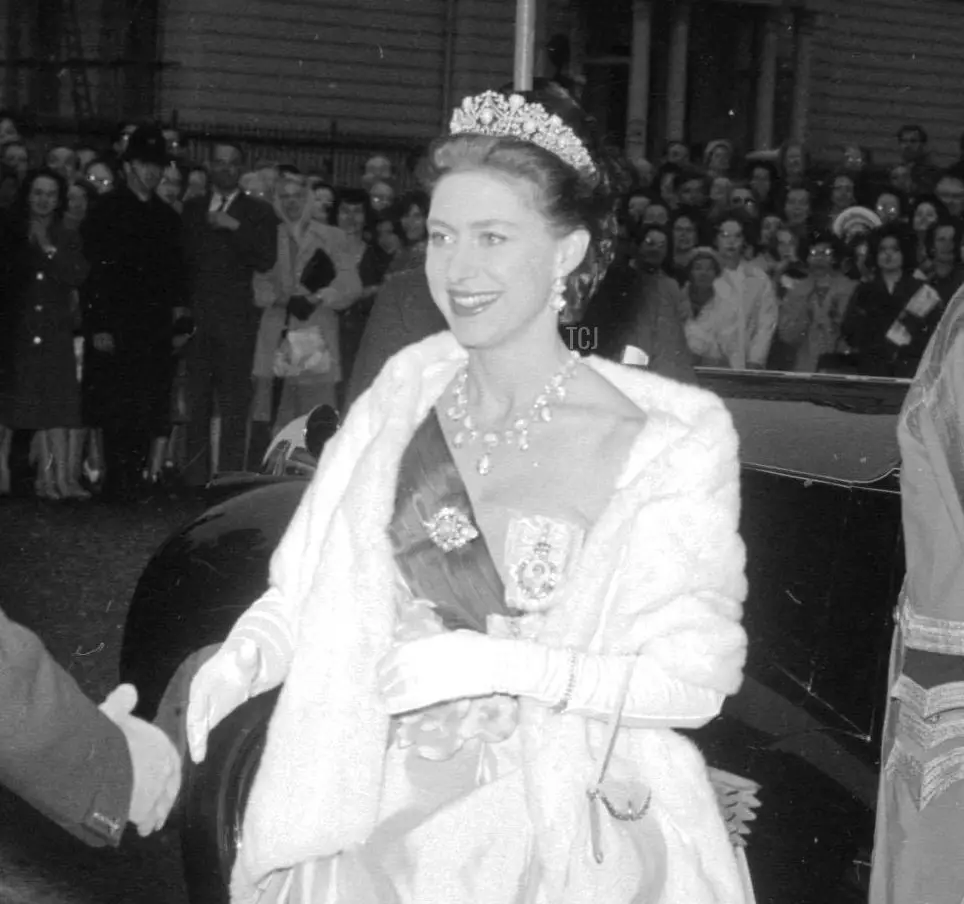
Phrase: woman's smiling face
(492, 258)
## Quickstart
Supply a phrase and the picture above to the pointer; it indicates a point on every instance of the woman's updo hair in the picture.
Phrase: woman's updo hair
(568, 199)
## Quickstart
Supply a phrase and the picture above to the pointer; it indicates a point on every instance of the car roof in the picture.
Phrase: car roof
(833, 427)
(815, 440)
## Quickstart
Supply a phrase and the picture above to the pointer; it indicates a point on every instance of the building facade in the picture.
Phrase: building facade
(762, 72)
(368, 67)
(758, 72)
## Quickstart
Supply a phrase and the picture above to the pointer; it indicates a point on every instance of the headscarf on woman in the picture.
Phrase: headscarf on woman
(301, 238)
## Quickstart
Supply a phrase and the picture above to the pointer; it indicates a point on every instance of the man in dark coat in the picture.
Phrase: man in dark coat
(137, 282)
(229, 237)
(90, 770)
(403, 313)
(637, 304)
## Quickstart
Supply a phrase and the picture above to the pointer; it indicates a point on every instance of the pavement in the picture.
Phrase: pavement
(67, 572)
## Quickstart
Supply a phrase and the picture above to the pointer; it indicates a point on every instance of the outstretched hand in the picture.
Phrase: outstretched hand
(156, 763)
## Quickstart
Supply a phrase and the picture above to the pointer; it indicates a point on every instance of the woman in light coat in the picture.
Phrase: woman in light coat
(737, 325)
(300, 236)
(814, 308)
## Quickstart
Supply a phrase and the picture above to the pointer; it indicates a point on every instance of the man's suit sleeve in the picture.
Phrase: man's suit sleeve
(58, 751)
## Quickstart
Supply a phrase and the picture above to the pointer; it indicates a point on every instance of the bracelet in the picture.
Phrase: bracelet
(563, 703)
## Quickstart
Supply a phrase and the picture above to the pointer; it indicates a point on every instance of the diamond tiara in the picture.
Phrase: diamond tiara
(495, 114)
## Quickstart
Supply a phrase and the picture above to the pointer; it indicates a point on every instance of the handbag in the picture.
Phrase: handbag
(623, 801)
(302, 351)
(625, 837)
(318, 273)
(620, 852)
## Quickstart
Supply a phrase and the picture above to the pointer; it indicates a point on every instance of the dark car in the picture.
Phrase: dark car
(821, 520)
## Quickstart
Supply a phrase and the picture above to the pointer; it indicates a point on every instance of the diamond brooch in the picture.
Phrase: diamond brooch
(450, 528)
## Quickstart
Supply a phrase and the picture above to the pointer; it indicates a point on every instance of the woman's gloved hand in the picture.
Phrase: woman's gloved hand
(220, 686)
(461, 664)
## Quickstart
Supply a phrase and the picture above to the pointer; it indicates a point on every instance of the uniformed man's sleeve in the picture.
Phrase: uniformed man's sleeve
(58, 751)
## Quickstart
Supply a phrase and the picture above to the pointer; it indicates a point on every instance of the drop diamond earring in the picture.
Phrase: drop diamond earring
(557, 301)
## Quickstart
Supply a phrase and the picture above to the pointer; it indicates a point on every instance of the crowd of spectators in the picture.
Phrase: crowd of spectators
(771, 262)
(162, 319)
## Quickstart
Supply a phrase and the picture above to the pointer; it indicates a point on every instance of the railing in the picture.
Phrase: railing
(339, 158)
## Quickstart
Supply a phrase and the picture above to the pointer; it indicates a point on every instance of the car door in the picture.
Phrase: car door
(821, 522)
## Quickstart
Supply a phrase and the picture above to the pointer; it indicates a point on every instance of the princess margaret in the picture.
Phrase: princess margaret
(505, 551)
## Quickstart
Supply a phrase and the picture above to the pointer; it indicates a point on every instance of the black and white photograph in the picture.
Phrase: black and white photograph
(481, 452)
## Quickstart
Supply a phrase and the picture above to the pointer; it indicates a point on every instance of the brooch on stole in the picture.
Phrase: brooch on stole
(450, 529)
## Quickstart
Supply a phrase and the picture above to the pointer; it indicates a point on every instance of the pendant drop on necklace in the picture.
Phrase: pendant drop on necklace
(518, 434)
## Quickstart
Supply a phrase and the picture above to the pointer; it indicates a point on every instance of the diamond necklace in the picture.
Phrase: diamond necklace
(518, 434)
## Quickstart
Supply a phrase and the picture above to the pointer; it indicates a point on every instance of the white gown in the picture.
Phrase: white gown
(454, 827)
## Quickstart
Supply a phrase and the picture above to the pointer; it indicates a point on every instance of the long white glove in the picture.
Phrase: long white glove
(462, 664)
(156, 765)
(220, 686)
